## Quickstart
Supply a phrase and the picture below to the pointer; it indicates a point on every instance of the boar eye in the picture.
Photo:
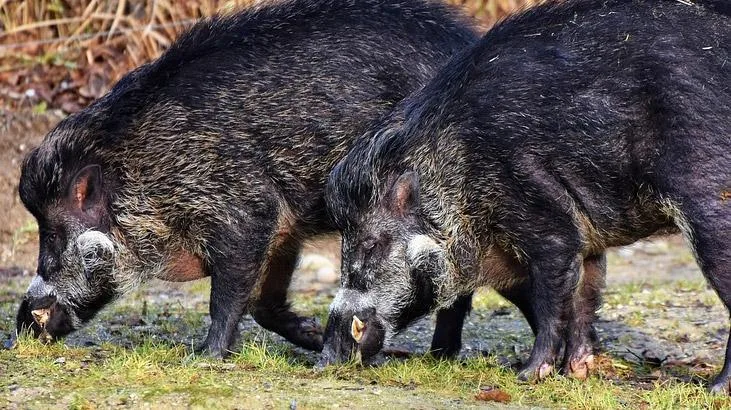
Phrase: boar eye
(368, 248)
(50, 236)
(374, 247)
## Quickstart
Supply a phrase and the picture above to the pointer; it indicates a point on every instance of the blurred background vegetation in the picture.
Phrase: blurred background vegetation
(62, 54)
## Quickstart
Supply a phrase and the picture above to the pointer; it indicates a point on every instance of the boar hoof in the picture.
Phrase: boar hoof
(537, 373)
(580, 368)
(544, 371)
(304, 332)
(307, 334)
(722, 387)
(209, 351)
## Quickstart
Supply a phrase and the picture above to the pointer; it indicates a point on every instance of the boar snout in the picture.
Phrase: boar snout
(44, 317)
(34, 313)
(358, 335)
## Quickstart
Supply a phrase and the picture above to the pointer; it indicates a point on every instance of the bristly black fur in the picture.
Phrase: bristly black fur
(569, 128)
(351, 185)
(217, 153)
(245, 41)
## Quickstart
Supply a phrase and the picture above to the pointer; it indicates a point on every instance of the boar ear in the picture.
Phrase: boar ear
(85, 191)
(405, 193)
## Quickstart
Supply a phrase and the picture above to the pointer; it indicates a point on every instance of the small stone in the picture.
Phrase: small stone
(10, 343)
(60, 360)
(321, 267)
(326, 275)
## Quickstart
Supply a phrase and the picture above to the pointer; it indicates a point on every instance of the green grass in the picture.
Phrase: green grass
(263, 374)
(23, 234)
(155, 367)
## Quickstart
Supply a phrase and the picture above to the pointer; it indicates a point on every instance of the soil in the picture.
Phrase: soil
(18, 241)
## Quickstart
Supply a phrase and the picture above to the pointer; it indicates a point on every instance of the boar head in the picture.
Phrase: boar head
(74, 280)
(392, 265)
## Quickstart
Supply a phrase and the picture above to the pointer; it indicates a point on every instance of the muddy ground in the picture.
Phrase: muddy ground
(658, 310)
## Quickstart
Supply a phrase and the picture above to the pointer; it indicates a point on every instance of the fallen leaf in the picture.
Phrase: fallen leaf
(493, 394)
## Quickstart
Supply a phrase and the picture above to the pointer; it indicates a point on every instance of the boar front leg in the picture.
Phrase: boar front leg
(447, 340)
(234, 266)
(272, 310)
(579, 346)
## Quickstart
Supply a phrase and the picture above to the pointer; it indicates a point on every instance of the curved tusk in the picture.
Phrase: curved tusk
(356, 329)
(41, 316)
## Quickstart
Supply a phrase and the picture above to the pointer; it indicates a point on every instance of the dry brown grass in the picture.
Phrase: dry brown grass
(65, 53)
(142, 28)
(487, 12)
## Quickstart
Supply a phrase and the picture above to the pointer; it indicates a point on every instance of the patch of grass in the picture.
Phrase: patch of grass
(660, 294)
(674, 395)
(635, 319)
(23, 234)
(488, 299)
(147, 361)
(153, 373)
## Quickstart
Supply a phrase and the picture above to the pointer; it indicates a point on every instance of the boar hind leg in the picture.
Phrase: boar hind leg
(582, 338)
(554, 273)
(520, 295)
(706, 222)
(272, 310)
(447, 340)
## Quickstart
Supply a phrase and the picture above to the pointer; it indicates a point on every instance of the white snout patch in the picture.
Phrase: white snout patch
(93, 240)
(94, 246)
(348, 301)
(419, 247)
(39, 288)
